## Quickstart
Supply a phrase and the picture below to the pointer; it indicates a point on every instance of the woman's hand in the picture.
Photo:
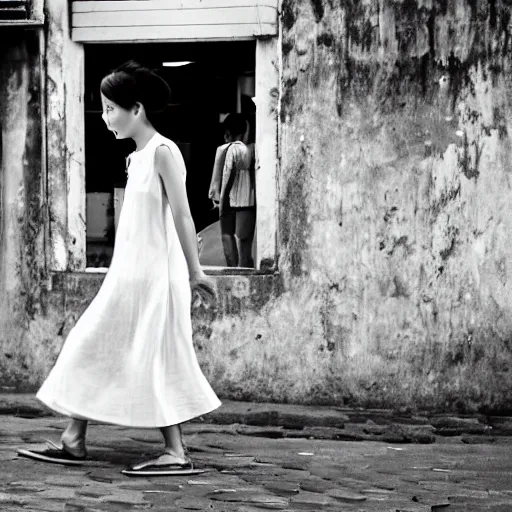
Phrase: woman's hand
(214, 194)
(204, 286)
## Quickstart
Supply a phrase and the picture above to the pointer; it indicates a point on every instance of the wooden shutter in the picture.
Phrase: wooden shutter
(172, 20)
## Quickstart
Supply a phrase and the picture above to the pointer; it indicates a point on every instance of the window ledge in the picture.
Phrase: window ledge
(95, 274)
(21, 23)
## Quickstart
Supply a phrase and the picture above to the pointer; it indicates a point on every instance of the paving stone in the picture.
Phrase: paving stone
(346, 496)
(282, 488)
(270, 432)
(143, 484)
(475, 439)
(239, 455)
(327, 472)
(353, 433)
(125, 496)
(57, 493)
(249, 508)
(231, 464)
(297, 464)
(77, 507)
(191, 503)
(222, 481)
(268, 502)
(65, 480)
(94, 490)
(44, 506)
(310, 499)
(290, 475)
(80, 506)
(149, 440)
(452, 426)
(316, 433)
(209, 428)
(372, 428)
(7, 455)
(317, 485)
(443, 421)
(422, 437)
(412, 508)
(11, 499)
(254, 470)
(160, 501)
(261, 418)
(298, 434)
(250, 497)
(355, 484)
(394, 438)
(385, 486)
(101, 475)
(383, 417)
(332, 418)
(501, 425)
(28, 486)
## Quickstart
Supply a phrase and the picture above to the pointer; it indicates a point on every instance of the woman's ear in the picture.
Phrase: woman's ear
(138, 108)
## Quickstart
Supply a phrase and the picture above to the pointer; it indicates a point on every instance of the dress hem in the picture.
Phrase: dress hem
(68, 411)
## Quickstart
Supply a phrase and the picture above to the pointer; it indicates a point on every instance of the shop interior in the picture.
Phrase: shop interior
(207, 81)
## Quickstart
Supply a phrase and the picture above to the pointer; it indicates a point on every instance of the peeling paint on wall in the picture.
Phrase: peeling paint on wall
(22, 296)
(395, 212)
(403, 106)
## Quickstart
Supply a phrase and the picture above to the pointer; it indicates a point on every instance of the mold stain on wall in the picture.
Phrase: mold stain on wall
(394, 208)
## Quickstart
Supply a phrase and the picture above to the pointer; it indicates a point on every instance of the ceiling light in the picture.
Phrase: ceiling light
(176, 64)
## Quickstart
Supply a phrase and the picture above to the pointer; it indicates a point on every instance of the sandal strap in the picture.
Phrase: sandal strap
(61, 448)
(54, 446)
(149, 463)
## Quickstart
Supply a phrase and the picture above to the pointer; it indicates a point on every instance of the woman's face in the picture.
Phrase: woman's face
(119, 120)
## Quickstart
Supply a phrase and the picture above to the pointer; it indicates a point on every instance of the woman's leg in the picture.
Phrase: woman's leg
(173, 461)
(173, 440)
(73, 438)
(227, 229)
(245, 226)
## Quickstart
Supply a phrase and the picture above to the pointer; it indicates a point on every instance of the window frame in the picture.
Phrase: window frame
(66, 183)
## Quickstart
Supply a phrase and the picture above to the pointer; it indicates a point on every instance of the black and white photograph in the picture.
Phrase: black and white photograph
(256, 255)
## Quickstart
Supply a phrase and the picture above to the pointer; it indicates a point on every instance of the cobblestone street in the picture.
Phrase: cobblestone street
(252, 468)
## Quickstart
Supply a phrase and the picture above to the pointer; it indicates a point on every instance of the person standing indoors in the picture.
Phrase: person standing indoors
(130, 360)
(234, 193)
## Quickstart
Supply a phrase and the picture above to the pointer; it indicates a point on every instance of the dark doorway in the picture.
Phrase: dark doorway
(212, 84)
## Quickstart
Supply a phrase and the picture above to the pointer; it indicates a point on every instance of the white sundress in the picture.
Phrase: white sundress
(129, 360)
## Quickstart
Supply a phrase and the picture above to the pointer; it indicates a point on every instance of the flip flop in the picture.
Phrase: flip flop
(173, 469)
(53, 453)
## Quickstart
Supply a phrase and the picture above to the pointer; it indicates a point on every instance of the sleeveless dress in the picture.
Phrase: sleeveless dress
(129, 360)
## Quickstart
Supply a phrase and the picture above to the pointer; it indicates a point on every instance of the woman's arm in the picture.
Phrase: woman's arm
(218, 167)
(174, 186)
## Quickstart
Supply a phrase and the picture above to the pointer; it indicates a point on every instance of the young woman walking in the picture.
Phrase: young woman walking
(130, 360)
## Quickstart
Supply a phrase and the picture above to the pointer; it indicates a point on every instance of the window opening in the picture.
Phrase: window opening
(208, 81)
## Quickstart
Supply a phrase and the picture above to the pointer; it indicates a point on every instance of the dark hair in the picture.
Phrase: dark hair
(131, 83)
(235, 124)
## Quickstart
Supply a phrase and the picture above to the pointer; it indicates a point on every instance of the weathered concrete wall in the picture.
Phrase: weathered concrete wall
(396, 199)
(395, 212)
(22, 260)
(394, 216)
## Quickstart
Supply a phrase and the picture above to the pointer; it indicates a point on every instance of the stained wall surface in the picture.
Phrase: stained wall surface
(394, 220)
